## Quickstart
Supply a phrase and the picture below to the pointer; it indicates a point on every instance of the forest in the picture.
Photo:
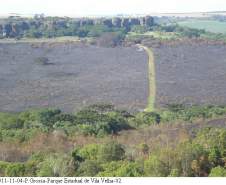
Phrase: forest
(41, 26)
(91, 142)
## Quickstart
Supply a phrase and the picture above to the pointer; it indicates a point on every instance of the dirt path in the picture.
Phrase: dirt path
(151, 76)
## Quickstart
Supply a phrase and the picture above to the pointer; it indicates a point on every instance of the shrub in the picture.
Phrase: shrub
(110, 168)
(121, 169)
(145, 118)
(42, 60)
(212, 139)
(189, 154)
(129, 169)
(57, 165)
(45, 170)
(15, 170)
(37, 157)
(102, 108)
(153, 167)
(89, 152)
(88, 116)
(3, 166)
(86, 129)
(30, 169)
(10, 121)
(46, 118)
(111, 152)
(215, 157)
(168, 116)
(218, 172)
(77, 156)
(89, 168)
(100, 121)
(174, 173)
(180, 112)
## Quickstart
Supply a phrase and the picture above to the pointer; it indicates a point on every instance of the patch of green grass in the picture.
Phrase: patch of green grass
(151, 77)
(47, 40)
(156, 34)
(208, 25)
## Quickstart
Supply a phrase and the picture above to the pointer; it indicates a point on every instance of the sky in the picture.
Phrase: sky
(108, 7)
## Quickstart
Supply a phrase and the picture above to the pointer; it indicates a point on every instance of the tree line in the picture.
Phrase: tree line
(40, 26)
(201, 153)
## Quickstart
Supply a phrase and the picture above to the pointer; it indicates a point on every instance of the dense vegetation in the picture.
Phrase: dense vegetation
(113, 30)
(41, 26)
(201, 154)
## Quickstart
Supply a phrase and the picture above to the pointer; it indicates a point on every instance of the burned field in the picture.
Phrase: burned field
(70, 76)
(191, 73)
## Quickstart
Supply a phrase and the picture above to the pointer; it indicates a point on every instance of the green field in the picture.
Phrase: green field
(208, 25)
(156, 35)
(40, 40)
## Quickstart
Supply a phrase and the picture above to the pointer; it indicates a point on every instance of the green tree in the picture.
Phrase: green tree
(121, 169)
(129, 169)
(89, 168)
(89, 152)
(111, 152)
(10, 121)
(153, 167)
(57, 165)
(215, 157)
(47, 116)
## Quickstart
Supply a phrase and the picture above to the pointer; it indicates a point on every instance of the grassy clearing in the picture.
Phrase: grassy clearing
(156, 35)
(208, 25)
(49, 40)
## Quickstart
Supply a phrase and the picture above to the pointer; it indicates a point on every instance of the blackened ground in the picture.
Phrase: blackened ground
(78, 75)
(75, 76)
(191, 73)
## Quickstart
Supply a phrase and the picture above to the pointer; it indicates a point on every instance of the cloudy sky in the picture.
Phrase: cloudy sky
(108, 7)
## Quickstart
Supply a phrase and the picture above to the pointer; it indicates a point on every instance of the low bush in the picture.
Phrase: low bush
(10, 121)
(42, 61)
(218, 172)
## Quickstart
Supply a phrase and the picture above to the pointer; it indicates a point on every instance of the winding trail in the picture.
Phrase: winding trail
(151, 77)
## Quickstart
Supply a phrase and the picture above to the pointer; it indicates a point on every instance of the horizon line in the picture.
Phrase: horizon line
(108, 15)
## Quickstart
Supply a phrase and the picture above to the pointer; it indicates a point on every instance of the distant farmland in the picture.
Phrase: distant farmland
(208, 25)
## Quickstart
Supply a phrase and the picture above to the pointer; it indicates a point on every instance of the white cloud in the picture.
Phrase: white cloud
(100, 7)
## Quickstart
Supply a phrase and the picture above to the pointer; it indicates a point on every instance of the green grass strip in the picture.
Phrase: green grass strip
(152, 79)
